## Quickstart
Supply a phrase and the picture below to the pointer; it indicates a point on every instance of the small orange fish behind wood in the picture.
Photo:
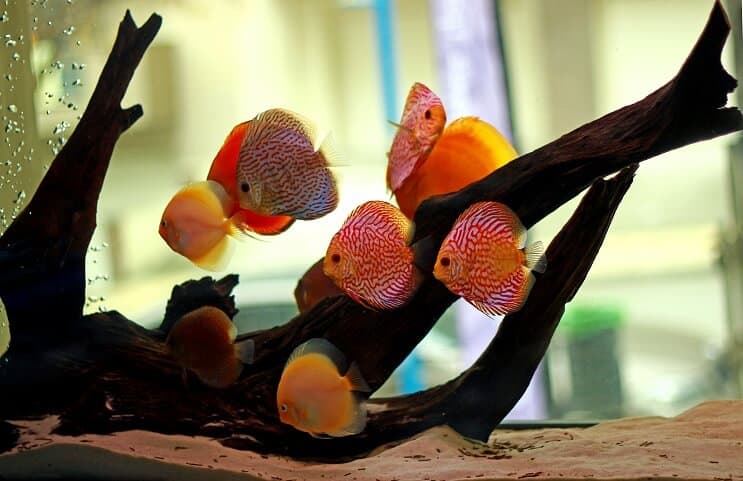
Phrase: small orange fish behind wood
(224, 171)
(283, 167)
(194, 224)
(315, 397)
(484, 259)
(202, 342)
(313, 287)
(369, 257)
(423, 119)
(467, 150)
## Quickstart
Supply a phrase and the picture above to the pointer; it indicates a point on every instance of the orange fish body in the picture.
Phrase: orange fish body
(223, 170)
(484, 259)
(283, 168)
(202, 342)
(315, 398)
(194, 224)
(369, 257)
(423, 119)
(467, 150)
(313, 287)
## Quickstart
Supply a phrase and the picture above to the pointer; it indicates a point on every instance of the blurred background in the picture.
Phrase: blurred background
(657, 326)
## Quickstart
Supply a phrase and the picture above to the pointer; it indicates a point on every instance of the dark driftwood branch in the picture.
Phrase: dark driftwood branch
(105, 362)
(47, 252)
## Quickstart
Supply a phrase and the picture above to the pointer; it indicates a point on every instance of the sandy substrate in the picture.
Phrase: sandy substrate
(704, 443)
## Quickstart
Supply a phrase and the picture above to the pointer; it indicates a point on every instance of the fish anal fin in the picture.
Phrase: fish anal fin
(356, 379)
(245, 351)
(535, 258)
(357, 421)
(217, 257)
(488, 309)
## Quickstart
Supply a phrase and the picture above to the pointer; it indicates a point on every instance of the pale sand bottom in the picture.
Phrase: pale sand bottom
(705, 443)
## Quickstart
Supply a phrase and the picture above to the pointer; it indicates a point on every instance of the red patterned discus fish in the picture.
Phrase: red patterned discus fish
(369, 257)
(422, 122)
(283, 167)
(484, 259)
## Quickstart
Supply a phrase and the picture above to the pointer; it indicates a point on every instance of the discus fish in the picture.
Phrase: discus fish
(224, 171)
(202, 342)
(313, 287)
(194, 224)
(283, 167)
(468, 150)
(423, 119)
(369, 257)
(4, 329)
(313, 395)
(484, 259)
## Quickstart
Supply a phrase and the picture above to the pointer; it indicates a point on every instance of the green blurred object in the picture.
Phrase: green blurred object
(591, 331)
(588, 319)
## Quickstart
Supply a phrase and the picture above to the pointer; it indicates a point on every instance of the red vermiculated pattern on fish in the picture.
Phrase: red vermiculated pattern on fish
(284, 173)
(374, 240)
(416, 135)
(484, 244)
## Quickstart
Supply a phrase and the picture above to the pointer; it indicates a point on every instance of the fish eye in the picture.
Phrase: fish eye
(163, 223)
(284, 408)
(336, 258)
(445, 261)
(245, 187)
(428, 114)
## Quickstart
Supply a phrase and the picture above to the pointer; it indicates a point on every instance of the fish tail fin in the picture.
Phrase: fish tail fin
(356, 379)
(536, 260)
(217, 257)
(245, 351)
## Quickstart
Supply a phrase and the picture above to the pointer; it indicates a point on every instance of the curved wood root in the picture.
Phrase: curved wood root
(102, 373)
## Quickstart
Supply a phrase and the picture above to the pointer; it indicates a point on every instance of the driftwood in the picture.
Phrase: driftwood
(103, 373)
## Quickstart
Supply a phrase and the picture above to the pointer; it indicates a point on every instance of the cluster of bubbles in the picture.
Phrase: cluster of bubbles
(93, 301)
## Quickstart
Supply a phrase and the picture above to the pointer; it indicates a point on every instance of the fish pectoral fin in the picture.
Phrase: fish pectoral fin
(356, 379)
(535, 257)
(245, 351)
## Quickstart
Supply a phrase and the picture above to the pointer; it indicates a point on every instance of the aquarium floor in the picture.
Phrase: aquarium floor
(704, 443)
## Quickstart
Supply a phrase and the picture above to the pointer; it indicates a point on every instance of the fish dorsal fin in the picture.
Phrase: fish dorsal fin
(324, 347)
(501, 213)
(356, 379)
(291, 120)
(535, 258)
(211, 194)
(245, 351)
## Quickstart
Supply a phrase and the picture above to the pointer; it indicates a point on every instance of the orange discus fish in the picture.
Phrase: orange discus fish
(423, 119)
(202, 342)
(313, 395)
(468, 150)
(194, 224)
(224, 171)
(484, 259)
(283, 167)
(369, 257)
(313, 287)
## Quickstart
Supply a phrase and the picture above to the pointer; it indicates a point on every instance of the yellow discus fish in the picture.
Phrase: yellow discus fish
(318, 395)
